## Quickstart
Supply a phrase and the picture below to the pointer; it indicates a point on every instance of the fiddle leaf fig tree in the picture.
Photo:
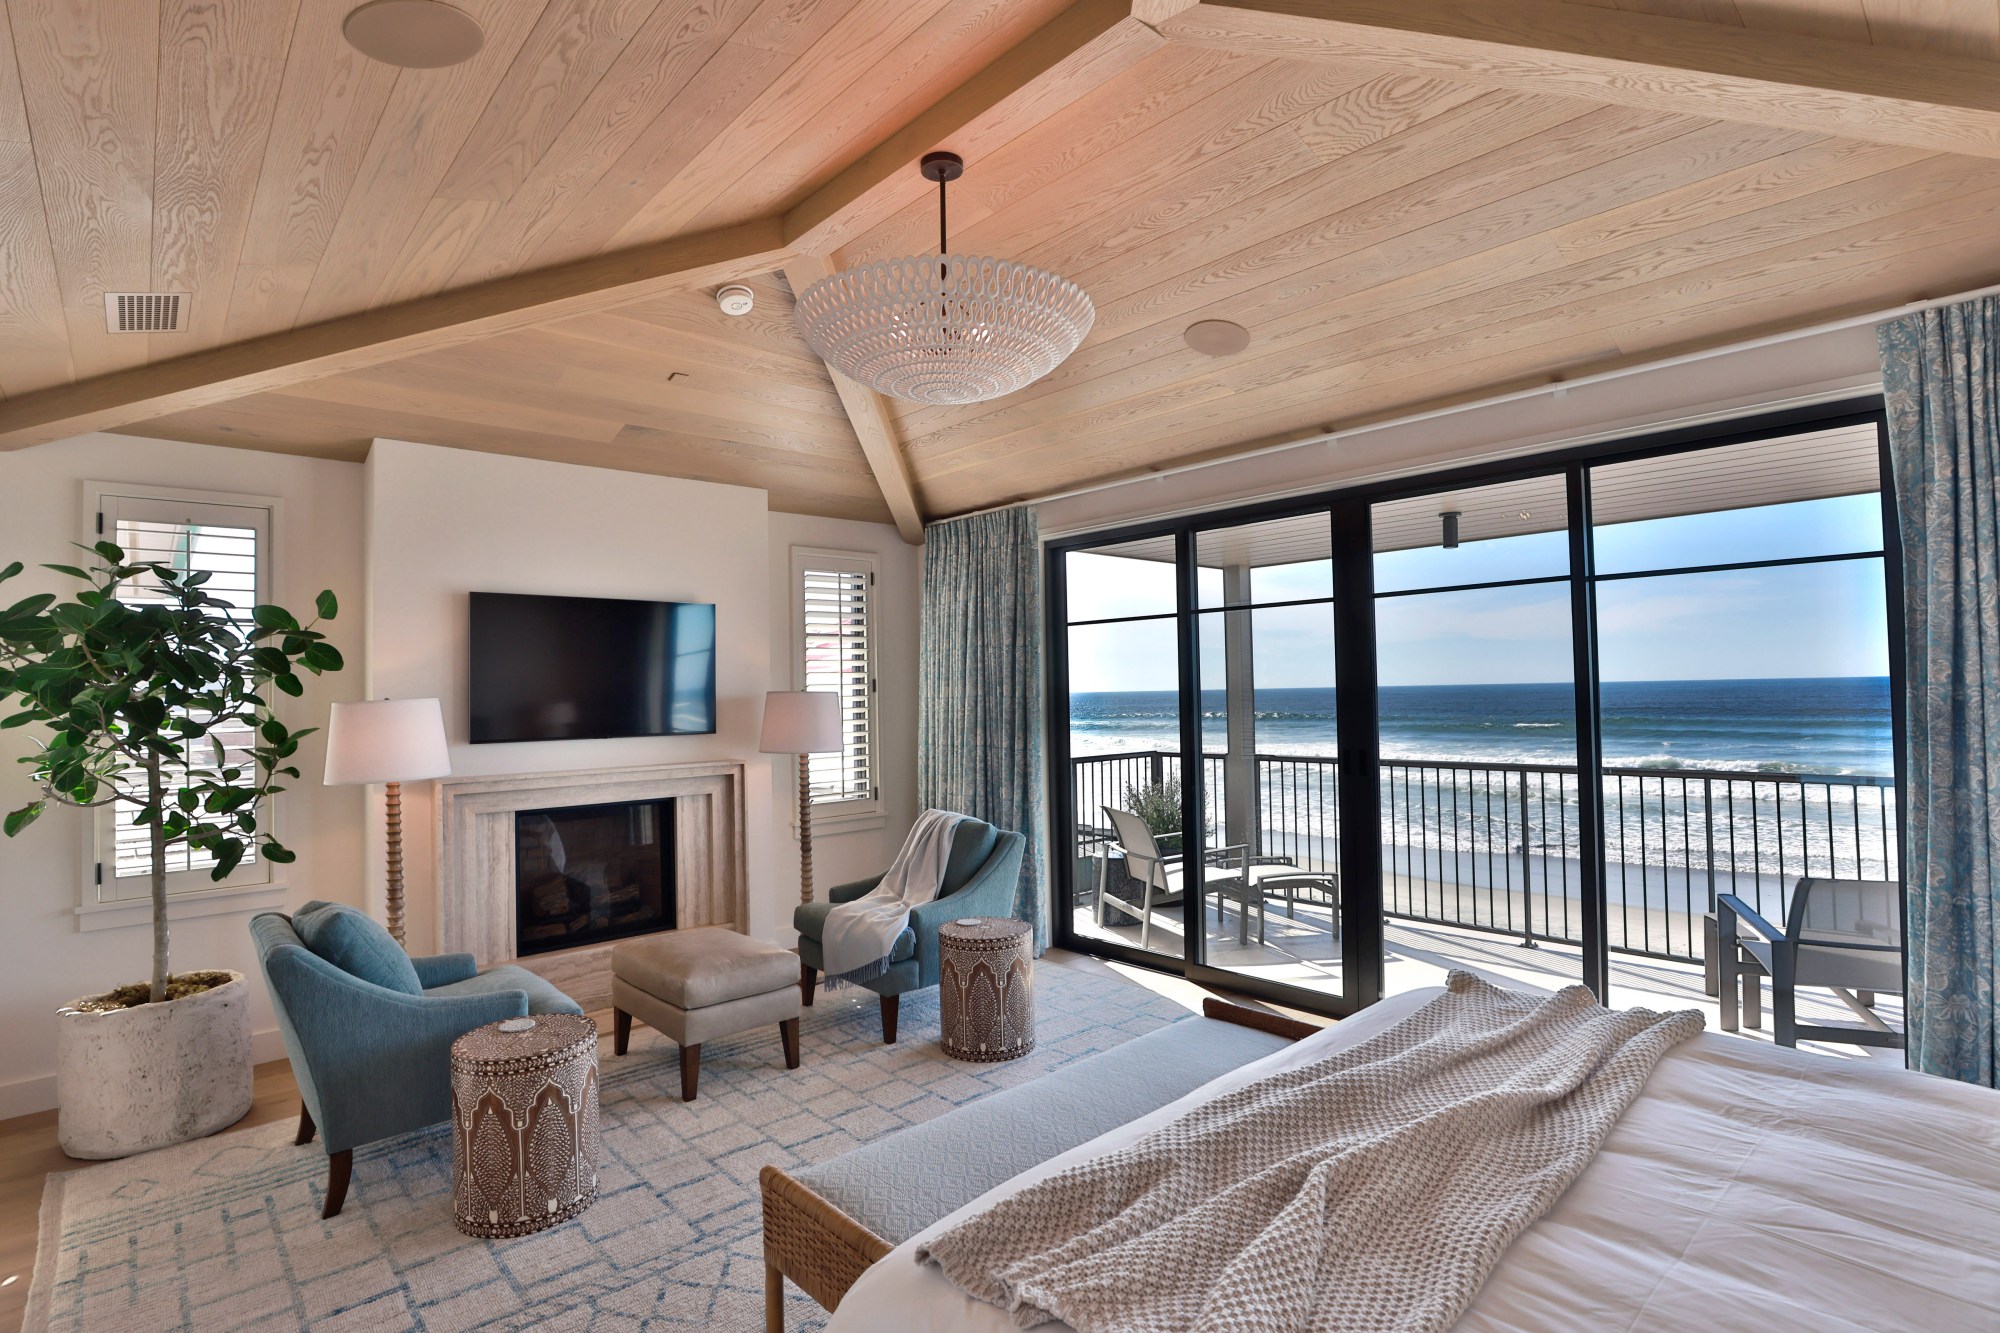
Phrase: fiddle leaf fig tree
(140, 678)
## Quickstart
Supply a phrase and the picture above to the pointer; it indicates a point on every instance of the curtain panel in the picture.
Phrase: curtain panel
(979, 720)
(1941, 377)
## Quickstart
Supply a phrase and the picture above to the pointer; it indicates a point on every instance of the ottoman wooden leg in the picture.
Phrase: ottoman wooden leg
(621, 1031)
(339, 1168)
(788, 1033)
(808, 980)
(890, 1005)
(690, 1070)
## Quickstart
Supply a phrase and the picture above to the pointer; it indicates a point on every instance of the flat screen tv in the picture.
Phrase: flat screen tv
(585, 668)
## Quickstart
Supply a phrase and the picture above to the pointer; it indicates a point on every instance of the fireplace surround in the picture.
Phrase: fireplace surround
(478, 910)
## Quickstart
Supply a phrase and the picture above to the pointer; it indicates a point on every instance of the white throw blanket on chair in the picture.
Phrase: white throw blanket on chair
(859, 935)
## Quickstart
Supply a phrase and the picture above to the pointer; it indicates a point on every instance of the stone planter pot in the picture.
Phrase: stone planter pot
(129, 1080)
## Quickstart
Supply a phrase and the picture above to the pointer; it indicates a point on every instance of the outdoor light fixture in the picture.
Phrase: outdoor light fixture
(946, 328)
(1450, 520)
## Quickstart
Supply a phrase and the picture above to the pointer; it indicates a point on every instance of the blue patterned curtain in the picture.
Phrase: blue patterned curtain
(1941, 375)
(979, 719)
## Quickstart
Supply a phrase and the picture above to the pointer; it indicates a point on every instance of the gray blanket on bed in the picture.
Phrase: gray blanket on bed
(1374, 1189)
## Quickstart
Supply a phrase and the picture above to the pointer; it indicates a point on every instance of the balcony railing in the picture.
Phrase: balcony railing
(1496, 846)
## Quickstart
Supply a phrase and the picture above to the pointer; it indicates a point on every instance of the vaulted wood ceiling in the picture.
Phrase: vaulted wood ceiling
(1404, 203)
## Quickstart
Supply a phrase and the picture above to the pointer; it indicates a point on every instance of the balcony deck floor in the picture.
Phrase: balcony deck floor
(1303, 951)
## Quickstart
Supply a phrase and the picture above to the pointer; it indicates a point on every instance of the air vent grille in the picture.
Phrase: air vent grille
(144, 312)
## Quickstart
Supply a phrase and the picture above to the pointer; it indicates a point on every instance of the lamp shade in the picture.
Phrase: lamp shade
(386, 740)
(801, 722)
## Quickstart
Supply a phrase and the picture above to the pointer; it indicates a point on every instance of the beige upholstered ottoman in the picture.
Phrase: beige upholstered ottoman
(702, 984)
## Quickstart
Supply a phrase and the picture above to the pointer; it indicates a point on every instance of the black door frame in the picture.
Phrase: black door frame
(1358, 769)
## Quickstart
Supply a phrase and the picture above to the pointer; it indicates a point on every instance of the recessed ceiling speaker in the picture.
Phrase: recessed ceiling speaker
(1217, 337)
(415, 34)
(736, 299)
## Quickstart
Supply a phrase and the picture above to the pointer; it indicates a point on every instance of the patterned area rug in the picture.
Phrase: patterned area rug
(225, 1233)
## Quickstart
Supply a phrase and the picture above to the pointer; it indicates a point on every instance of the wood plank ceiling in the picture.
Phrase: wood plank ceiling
(1392, 239)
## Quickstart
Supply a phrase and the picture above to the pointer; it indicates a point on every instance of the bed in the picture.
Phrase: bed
(1747, 1187)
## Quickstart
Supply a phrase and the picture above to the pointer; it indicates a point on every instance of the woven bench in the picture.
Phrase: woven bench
(828, 1223)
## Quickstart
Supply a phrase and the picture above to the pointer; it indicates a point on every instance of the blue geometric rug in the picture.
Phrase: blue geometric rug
(225, 1233)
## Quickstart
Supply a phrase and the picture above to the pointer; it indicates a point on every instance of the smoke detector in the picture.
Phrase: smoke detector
(144, 312)
(736, 299)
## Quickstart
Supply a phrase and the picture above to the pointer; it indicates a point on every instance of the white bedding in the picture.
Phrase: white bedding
(1749, 1187)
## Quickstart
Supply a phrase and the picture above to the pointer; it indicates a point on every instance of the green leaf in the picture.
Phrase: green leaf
(290, 684)
(322, 657)
(111, 554)
(281, 855)
(16, 568)
(20, 819)
(266, 616)
(71, 570)
(17, 720)
(328, 607)
(29, 606)
(272, 731)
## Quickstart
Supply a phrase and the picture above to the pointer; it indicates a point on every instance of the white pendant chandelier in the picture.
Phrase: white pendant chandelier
(945, 328)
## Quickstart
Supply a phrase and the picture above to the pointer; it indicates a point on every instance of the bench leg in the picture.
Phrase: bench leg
(890, 1005)
(774, 1299)
(339, 1169)
(621, 1031)
(788, 1033)
(306, 1127)
(690, 1070)
(808, 980)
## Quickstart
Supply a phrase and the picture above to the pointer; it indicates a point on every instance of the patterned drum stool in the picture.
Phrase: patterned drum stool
(986, 988)
(523, 1124)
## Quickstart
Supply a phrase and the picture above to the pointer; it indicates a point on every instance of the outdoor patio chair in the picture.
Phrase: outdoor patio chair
(1161, 874)
(1843, 934)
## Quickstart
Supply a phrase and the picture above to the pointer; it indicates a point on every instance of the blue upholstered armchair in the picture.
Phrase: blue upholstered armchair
(980, 879)
(369, 1029)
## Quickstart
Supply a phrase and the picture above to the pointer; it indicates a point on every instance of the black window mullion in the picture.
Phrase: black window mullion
(1194, 767)
(1589, 745)
(1359, 766)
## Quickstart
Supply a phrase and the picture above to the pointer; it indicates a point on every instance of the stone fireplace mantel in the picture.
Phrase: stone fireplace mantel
(475, 842)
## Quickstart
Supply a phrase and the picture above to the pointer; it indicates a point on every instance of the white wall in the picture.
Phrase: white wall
(444, 523)
(45, 961)
(846, 852)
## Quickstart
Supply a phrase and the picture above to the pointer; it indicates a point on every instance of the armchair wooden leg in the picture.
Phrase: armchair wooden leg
(788, 1033)
(306, 1127)
(621, 1032)
(690, 1070)
(774, 1299)
(339, 1169)
(808, 982)
(891, 1004)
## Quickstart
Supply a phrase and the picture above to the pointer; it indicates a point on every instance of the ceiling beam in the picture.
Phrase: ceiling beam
(1919, 99)
(874, 426)
(1086, 45)
(354, 342)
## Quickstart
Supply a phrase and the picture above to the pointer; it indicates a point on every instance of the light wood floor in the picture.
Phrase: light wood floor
(29, 1155)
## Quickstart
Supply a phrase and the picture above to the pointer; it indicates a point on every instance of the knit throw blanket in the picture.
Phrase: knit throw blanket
(859, 936)
(1374, 1189)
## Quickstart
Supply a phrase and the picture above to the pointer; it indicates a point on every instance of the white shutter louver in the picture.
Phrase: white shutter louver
(228, 543)
(835, 607)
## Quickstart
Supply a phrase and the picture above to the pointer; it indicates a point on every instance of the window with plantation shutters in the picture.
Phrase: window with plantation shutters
(835, 593)
(231, 542)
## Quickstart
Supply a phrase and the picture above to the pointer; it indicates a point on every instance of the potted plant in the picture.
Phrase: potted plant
(137, 695)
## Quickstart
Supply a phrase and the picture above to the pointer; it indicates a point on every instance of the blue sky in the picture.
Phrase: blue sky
(1812, 620)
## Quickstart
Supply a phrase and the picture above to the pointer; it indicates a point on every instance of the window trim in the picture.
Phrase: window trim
(252, 887)
(854, 813)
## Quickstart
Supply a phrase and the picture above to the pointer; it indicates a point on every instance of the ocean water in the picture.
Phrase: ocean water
(1838, 726)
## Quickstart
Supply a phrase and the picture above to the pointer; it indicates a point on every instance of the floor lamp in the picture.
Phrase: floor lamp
(391, 741)
(804, 723)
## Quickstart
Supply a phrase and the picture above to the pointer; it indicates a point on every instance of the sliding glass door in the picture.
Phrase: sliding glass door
(1529, 718)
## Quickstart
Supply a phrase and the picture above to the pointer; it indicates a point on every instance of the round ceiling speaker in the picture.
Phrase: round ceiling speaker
(415, 34)
(1217, 337)
(736, 299)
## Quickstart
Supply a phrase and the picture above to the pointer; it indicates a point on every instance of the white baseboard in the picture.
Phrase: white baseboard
(26, 1096)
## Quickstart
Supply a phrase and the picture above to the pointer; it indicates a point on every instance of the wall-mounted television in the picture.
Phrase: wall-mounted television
(586, 668)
